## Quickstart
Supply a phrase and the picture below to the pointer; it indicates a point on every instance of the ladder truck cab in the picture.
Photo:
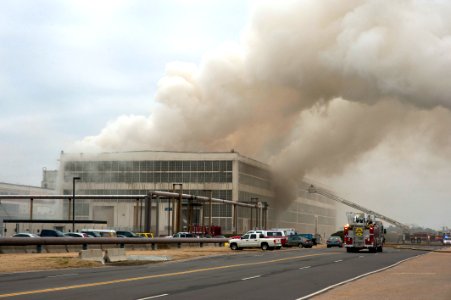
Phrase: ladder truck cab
(363, 232)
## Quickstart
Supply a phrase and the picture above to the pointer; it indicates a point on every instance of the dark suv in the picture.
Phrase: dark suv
(51, 233)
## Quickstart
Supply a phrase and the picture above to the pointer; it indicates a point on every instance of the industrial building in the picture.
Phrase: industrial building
(12, 209)
(224, 175)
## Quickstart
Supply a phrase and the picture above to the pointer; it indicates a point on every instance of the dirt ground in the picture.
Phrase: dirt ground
(424, 277)
(45, 261)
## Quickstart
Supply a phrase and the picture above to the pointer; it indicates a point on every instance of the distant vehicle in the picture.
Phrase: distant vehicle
(26, 234)
(299, 241)
(76, 234)
(127, 234)
(315, 238)
(446, 239)
(100, 232)
(204, 235)
(51, 233)
(280, 234)
(183, 235)
(145, 234)
(334, 241)
(92, 234)
(286, 231)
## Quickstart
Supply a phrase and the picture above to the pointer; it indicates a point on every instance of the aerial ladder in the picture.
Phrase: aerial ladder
(314, 190)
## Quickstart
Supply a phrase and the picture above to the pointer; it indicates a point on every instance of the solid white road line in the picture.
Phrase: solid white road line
(251, 277)
(153, 297)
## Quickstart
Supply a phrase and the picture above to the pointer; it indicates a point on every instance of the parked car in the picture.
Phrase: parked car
(76, 234)
(446, 240)
(92, 233)
(183, 235)
(26, 234)
(51, 233)
(127, 234)
(100, 232)
(145, 234)
(334, 241)
(299, 241)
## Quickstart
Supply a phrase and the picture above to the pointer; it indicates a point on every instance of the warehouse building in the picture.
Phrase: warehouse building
(224, 175)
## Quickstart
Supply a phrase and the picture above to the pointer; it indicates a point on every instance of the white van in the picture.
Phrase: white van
(287, 231)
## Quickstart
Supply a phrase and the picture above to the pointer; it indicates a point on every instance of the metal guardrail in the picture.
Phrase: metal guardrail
(63, 241)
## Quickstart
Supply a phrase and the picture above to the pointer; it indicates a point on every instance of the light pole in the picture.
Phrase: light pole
(73, 202)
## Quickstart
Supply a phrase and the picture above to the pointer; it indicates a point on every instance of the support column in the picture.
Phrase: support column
(179, 211)
(140, 211)
(174, 204)
(157, 218)
(190, 214)
(211, 212)
(147, 208)
(31, 208)
(261, 214)
(266, 215)
(136, 215)
(169, 216)
(235, 219)
(173, 209)
(69, 215)
(202, 220)
(251, 227)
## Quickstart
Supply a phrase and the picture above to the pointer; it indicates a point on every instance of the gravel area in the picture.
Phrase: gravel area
(424, 277)
(45, 261)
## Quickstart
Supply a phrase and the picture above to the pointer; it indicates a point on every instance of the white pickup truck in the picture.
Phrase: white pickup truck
(255, 240)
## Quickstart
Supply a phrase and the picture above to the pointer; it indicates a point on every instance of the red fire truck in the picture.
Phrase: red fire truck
(363, 232)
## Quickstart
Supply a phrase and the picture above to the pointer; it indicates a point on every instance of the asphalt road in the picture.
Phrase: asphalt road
(253, 274)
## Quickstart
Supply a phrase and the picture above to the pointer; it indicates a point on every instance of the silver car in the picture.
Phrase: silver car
(26, 234)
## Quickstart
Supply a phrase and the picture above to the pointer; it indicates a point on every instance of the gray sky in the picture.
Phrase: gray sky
(354, 94)
(69, 67)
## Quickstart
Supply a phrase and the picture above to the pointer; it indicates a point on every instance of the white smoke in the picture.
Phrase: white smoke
(311, 87)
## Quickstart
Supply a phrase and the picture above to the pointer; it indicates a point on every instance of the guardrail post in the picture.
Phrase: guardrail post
(122, 245)
(179, 245)
(85, 246)
(39, 248)
(153, 246)
(201, 245)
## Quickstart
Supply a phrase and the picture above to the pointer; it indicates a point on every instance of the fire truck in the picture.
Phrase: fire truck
(363, 232)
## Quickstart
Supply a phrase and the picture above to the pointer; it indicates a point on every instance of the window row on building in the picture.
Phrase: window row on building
(129, 177)
(148, 165)
(255, 171)
(255, 181)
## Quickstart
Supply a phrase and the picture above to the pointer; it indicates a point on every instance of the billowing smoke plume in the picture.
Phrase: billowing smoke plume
(312, 86)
